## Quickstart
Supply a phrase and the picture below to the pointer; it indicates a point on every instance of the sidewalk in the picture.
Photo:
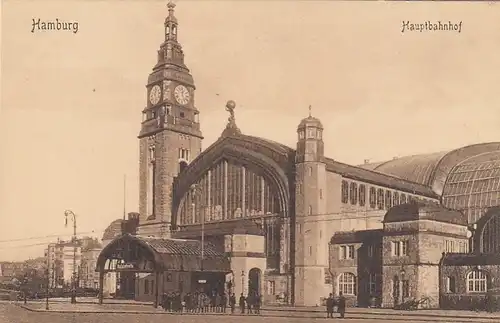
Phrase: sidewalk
(90, 305)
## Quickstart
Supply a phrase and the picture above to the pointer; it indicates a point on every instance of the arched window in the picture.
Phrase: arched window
(476, 281)
(347, 284)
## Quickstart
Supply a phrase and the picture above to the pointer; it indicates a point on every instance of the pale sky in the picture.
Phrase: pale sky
(71, 103)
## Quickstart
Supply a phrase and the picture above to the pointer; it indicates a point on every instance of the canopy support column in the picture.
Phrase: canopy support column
(157, 288)
(101, 284)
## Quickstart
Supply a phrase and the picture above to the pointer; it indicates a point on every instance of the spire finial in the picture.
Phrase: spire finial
(171, 6)
(231, 127)
(310, 110)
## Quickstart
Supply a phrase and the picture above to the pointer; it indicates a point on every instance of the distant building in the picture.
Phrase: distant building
(11, 269)
(88, 277)
(60, 257)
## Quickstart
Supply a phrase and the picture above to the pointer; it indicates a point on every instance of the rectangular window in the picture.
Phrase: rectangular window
(146, 286)
(395, 198)
(395, 249)
(321, 194)
(310, 250)
(404, 248)
(373, 197)
(449, 285)
(152, 286)
(351, 252)
(388, 199)
(400, 248)
(354, 194)
(449, 246)
(343, 252)
(272, 287)
(402, 199)
(380, 199)
(362, 195)
(345, 192)
(372, 284)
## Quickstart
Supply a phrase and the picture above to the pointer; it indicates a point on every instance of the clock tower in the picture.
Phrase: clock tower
(170, 136)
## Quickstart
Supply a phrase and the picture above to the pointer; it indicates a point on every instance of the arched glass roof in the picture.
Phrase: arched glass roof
(417, 168)
(474, 185)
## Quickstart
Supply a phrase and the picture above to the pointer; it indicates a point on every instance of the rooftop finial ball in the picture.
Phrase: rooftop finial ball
(231, 104)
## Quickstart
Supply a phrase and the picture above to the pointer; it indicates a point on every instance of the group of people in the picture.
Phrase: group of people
(215, 302)
(332, 303)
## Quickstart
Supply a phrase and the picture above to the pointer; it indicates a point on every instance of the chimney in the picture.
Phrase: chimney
(130, 225)
(367, 161)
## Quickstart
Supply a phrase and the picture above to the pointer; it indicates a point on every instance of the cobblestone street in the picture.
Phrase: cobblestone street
(123, 313)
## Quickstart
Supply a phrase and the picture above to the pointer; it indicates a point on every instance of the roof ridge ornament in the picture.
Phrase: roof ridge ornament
(310, 108)
(231, 127)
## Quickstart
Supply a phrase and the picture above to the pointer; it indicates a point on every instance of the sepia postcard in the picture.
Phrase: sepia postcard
(287, 161)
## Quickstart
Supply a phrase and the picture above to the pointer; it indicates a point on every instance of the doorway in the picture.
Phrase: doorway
(254, 281)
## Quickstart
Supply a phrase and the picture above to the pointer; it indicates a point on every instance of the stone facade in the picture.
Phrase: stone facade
(365, 264)
(315, 197)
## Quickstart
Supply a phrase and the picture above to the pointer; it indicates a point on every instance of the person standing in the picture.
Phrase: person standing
(242, 304)
(341, 305)
(330, 303)
(223, 300)
(250, 303)
(257, 303)
(232, 302)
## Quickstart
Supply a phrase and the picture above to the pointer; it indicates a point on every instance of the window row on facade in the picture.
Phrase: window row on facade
(476, 282)
(451, 246)
(378, 198)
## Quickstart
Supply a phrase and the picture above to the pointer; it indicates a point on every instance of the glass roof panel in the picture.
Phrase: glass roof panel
(474, 185)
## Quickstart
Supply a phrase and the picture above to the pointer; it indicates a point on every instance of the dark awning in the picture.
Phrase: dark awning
(167, 254)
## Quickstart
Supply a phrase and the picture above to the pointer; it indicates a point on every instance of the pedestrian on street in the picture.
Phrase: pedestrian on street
(242, 304)
(330, 303)
(257, 303)
(223, 300)
(232, 302)
(250, 303)
(341, 305)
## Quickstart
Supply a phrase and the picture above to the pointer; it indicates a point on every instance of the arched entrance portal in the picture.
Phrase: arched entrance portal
(254, 280)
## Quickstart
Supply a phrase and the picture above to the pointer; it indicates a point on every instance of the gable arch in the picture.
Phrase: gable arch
(226, 151)
(487, 235)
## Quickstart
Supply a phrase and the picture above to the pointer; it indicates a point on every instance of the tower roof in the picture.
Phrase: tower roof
(310, 121)
(171, 17)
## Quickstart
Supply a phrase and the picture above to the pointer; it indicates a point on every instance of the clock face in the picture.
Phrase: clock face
(181, 94)
(155, 94)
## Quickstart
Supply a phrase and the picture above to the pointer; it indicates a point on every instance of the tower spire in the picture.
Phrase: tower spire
(310, 110)
(171, 23)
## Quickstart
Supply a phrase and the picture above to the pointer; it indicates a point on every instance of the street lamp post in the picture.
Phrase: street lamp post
(243, 282)
(47, 289)
(25, 288)
(69, 213)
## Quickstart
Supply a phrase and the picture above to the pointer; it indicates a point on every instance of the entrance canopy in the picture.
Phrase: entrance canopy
(130, 253)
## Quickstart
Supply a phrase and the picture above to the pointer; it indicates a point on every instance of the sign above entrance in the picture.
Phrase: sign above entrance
(126, 266)
(202, 281)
